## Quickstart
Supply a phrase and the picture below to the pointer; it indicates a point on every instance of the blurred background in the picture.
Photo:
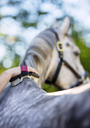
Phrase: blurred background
(22, 20)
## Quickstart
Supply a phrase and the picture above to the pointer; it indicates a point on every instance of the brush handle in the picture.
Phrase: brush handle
(34, 74)
(27, 73)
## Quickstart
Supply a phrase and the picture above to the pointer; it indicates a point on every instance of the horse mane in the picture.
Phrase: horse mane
(40, 47)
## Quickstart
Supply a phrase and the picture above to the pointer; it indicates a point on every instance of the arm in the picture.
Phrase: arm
(6, 76)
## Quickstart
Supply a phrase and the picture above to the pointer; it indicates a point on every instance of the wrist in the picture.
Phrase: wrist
(8, 73)
(15, 71)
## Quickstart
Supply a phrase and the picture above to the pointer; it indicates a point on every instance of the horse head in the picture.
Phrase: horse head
(67, 78)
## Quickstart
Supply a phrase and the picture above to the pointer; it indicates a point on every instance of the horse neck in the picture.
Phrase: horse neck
(53, 65)
(39, 55)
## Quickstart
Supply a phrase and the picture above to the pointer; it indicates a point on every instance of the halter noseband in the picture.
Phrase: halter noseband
(62, 61)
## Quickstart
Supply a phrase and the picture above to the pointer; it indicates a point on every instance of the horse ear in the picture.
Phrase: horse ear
(65, 26)
(55, 24)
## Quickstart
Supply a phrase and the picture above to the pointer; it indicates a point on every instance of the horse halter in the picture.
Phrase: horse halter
(63, 62)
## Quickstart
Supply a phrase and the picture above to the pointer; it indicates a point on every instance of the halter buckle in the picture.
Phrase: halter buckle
(82, 79)
(60, 49)
(60, 46)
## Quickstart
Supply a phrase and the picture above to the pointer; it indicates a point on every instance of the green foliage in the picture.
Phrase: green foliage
(85, 51)
(41, 13)
(26, 25)
(49, 88)
(2, 69)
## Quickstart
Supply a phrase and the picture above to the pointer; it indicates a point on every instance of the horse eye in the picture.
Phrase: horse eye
(76, 53)
(67, 44)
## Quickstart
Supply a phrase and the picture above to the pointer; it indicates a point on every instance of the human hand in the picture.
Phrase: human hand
(17, 70)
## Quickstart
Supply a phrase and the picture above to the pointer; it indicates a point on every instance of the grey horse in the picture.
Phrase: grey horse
(28, 106)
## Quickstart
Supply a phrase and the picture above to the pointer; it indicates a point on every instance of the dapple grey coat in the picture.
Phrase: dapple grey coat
(28, 106)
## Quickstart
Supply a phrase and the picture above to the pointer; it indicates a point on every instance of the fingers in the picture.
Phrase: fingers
(30, 69)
